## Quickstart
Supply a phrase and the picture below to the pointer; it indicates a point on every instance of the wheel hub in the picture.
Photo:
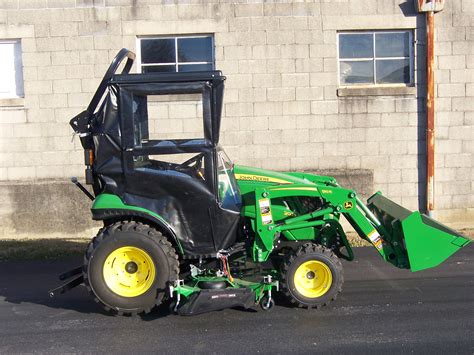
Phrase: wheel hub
(131, 267)
(129, 271)
(312, 279)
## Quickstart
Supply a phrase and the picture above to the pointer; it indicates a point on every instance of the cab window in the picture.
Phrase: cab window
(228, 190)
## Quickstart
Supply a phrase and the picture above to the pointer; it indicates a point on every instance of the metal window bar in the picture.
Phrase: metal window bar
(173, 63)
(374, 58)
(176, 63)
(374, 64)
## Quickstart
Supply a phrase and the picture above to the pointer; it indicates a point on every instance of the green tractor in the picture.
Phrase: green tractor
(186, 226)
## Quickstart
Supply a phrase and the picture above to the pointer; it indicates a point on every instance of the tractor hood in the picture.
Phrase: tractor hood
(249, 175)
(264, 177)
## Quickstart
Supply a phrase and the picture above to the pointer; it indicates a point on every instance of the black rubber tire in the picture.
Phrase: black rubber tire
(129, 233)
(305, 253)
(265, 305)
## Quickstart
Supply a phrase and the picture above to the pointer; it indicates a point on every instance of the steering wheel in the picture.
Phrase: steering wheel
(80, 123)
(197, 161)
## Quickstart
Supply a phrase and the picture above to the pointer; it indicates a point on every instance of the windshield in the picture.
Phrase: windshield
(228, 190)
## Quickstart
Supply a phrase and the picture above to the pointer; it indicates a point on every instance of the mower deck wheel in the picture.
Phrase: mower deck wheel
(267, 304)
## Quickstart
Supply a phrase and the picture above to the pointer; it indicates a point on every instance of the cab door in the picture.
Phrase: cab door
(161, 174)
(226, 212)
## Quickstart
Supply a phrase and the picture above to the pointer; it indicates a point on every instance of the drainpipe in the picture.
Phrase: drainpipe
(430, 125)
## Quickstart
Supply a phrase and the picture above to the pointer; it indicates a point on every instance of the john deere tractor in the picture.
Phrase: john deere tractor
(184, 225)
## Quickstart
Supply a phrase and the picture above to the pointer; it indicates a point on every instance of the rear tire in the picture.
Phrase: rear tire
(311, 276)
(128, 266)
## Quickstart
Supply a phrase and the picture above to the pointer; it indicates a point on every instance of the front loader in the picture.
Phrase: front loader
(185, 226)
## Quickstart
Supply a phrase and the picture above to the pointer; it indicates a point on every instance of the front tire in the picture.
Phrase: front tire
(312, 276)
(128, 266)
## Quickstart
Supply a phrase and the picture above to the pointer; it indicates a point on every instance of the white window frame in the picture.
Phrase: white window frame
(17, 86)
(374, 59)
(177, 62)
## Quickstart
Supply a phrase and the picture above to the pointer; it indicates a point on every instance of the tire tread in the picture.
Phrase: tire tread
(147, 232)
(302, 250)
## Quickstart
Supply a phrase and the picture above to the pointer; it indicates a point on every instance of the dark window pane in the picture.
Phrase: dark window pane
(360, 72)
(194, 67)
(140, 119)
(390, 71)
(392, 44)
(356, 45)
(195, 49)
(159, 69)
(158, 50)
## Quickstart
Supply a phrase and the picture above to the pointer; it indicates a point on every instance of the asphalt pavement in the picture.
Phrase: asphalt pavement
(381, 310)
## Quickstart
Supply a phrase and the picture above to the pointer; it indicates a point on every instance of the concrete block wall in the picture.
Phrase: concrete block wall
(283, 107)
(175, 117)
(455, 108)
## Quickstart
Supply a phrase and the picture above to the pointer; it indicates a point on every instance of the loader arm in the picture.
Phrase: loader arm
(407, 240)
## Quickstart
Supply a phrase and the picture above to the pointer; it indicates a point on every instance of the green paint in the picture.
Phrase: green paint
(412, 240)
(260, 288)
(428, 243)
(185, 290)
(109, 201)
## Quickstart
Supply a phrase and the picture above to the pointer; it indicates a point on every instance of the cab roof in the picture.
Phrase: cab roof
(215, 75)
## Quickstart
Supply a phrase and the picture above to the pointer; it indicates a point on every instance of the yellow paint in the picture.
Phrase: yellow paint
(260, 178)
(348, 205)
(297, 188)
(133, 282)
(375, 239)
(312, 279)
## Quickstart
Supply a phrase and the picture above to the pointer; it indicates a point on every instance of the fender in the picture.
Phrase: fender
(108, 206)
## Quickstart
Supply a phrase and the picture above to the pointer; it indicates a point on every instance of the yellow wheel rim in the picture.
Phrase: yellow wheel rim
(129, 271)
(312, 279)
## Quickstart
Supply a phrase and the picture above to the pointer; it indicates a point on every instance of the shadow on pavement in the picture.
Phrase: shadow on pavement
(23, 282)
(29, 281)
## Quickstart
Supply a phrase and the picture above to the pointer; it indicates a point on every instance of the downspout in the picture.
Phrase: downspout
(430, 113)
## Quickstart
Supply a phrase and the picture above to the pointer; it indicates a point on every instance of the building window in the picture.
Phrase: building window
(11, 69)
(176, 54)
(375, 58)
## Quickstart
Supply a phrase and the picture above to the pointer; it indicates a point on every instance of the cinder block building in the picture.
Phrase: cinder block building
(332, 86)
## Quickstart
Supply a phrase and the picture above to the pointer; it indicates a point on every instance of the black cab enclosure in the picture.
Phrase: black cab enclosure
(175, 178)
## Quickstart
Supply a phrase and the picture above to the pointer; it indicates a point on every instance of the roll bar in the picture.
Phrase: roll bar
(121, 55)
(80, 123)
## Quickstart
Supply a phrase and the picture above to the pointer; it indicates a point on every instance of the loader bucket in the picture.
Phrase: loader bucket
(427, 242)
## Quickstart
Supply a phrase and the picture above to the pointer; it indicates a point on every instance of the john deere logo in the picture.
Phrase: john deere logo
(348, 205)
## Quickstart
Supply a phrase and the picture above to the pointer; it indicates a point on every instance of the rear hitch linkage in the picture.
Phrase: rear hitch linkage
(77, 279)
